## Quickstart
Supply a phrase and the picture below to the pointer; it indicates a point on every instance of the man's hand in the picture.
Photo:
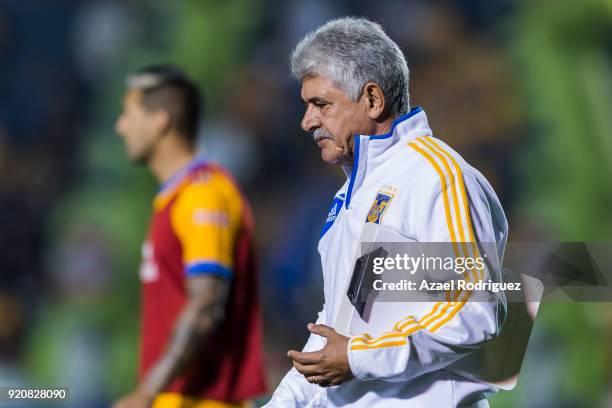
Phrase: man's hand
(136, 399)
(328, 366)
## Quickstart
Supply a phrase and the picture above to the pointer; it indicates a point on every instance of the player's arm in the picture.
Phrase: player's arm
(202, 315)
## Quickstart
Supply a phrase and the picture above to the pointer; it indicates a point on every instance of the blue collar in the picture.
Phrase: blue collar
(396, 122)
(357, 143)
(179, 174)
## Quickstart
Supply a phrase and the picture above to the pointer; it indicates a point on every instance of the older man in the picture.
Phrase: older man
(355, 90)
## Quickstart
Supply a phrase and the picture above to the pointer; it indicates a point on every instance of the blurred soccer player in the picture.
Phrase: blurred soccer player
(201, 328)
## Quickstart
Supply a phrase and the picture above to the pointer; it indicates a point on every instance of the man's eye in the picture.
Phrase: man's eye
(319, 104)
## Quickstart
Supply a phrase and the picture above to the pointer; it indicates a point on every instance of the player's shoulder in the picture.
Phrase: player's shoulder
(211, 177)
(209, 182)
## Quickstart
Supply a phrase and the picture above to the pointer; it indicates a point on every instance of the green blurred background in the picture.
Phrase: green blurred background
(522, 89)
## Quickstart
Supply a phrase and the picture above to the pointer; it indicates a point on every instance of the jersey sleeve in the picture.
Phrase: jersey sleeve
(206, 217)
(446, 331)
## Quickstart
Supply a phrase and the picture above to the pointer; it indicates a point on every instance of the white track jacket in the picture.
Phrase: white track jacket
(416, 185)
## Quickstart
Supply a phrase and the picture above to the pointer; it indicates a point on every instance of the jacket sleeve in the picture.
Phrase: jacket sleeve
(445, 331)
(294, 390)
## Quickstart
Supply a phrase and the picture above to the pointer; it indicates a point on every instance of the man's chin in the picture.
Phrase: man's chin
(335, 158)
(334, 161)
(331, 153)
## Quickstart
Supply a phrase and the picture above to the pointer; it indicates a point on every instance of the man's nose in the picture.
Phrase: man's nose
(310, 122)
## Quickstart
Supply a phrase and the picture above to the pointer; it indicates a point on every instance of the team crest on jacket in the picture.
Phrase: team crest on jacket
(379, 206)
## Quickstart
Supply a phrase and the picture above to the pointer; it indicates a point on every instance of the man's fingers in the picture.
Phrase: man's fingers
(323, 380)
(325, 383)
(305, 358)
(318, 379)
(321, 329)
(307, 370)
(317, 375)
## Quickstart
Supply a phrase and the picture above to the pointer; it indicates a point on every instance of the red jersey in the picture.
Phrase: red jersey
(203, 225)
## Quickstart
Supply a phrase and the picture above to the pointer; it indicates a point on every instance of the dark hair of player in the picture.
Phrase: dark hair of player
(165, 87)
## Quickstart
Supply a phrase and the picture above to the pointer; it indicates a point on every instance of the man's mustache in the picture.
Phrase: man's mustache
(320, 134)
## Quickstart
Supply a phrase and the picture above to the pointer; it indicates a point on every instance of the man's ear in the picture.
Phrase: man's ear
(161, 121)
(375, 100)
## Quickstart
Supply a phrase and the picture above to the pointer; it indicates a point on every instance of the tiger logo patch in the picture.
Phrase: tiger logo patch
(380, 204)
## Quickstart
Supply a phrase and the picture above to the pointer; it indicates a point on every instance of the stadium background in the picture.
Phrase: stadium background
(523, 89)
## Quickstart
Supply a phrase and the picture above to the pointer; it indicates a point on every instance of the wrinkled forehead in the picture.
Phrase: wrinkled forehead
(320, 87)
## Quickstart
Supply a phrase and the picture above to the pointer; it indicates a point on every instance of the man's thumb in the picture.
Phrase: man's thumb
(320, 329)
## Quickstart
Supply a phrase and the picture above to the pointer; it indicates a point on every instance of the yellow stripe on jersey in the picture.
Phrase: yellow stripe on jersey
(449, 217)
(206, 217)
(410, 325)
(435, 149)
(466, 205)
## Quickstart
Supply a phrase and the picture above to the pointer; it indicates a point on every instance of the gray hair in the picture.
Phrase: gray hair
(351, 52)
